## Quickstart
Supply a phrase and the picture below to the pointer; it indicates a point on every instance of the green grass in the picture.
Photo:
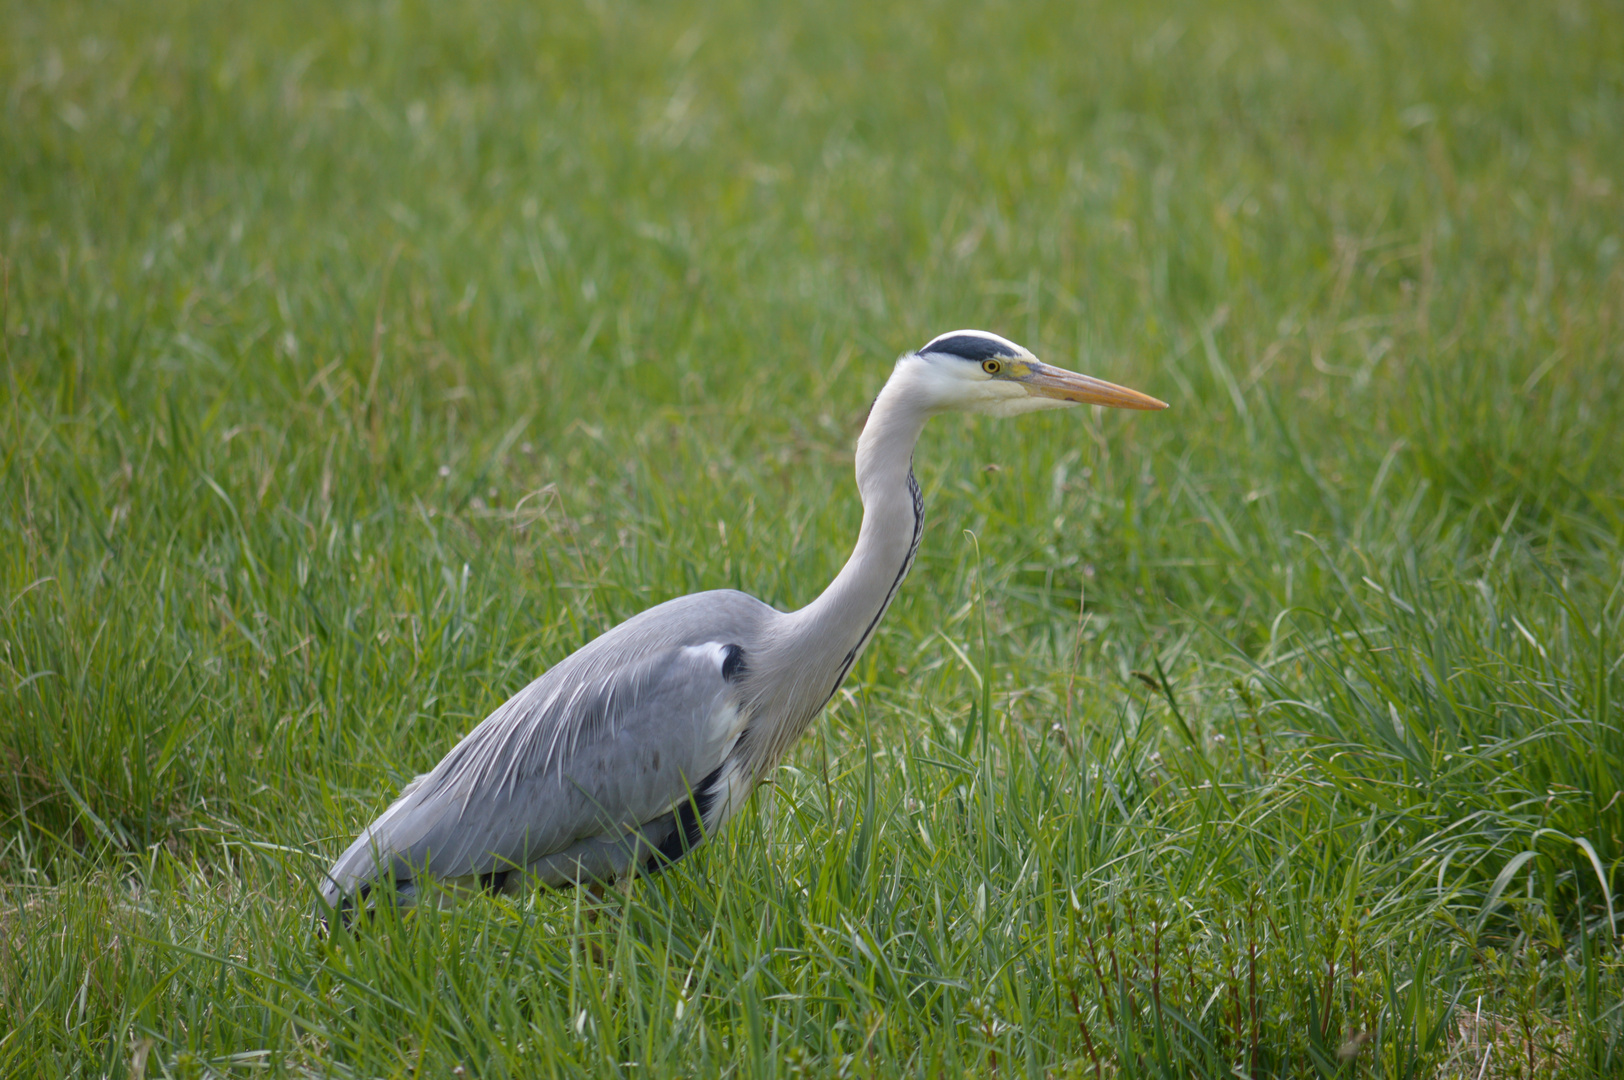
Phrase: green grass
(364, 359)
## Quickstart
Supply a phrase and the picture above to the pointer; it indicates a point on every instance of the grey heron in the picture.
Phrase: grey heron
(629, 752)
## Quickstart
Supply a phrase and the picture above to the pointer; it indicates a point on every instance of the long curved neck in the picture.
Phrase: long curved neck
(835, 627)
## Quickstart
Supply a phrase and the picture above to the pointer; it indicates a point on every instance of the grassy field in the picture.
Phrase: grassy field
(363, 359)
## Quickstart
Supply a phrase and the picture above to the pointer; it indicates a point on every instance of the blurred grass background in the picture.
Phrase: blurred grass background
(364, 359)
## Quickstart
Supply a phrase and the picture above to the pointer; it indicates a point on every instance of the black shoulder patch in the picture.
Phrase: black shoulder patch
(972, 347)
(732, 662)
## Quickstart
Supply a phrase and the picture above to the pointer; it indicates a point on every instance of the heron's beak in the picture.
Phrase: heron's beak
(1053, 382)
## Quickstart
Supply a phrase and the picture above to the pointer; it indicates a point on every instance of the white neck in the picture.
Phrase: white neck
(829, 633)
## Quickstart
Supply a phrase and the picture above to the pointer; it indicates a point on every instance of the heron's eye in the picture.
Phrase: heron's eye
(991, 367)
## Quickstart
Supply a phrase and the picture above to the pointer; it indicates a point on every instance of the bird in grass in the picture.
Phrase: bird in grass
(634, 749)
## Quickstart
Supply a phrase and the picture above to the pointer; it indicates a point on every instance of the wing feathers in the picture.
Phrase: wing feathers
(609, 740)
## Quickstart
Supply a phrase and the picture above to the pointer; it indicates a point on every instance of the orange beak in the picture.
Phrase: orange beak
(1053, 382)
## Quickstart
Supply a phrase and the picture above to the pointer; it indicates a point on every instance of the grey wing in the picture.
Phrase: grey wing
(594, 749)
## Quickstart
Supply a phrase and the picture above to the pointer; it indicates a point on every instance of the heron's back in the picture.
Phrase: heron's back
(608, 739)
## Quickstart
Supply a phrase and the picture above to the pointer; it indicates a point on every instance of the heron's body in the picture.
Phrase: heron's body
(631, 750)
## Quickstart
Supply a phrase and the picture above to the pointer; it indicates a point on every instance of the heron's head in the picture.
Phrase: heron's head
(974, 371)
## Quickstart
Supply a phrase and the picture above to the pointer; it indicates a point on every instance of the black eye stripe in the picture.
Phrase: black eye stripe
(969, 347)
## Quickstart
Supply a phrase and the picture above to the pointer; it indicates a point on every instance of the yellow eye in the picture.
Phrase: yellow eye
(991, 367)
